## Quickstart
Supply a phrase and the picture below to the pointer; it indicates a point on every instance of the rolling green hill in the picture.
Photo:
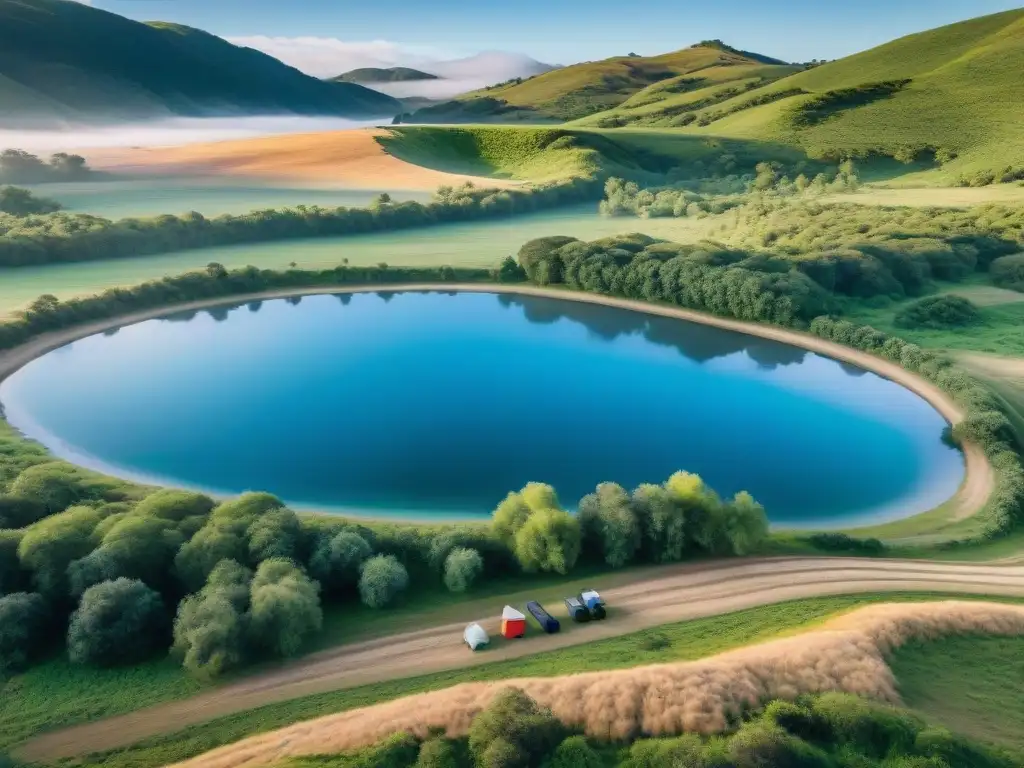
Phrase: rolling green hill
(949, 96)
(382, 75)
(66, 60)
(583, 89)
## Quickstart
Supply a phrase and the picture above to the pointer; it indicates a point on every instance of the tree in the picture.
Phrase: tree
(575, 752)
(276, 533)
(607, 519)
(746, 524)
(662, 521)
(513, 512)
(22, 627)
(20, 202)
(337, 560)
(703, 511)
(13, 578)
(55, 485)
(213, 543)
(135, 547)
(117, 622)
(216, 271)
(211, 626)
(186, 509)
(48, 547)
(19, 512)
(513, 731)
(462, 567)
(284, 607)
(382, 580)
(548, 541)
(437, 753)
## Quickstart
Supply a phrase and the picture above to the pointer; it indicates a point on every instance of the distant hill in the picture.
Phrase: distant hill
(952, 95)
(382, 75)
(63, 60)
(576, 91)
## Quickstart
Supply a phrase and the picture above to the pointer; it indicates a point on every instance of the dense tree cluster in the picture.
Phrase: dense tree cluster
(705, 276)
(17, 201)
(985, 423)
(832, 730)
(65, 237)
(938, 313)
(867, 251)
(20, 167)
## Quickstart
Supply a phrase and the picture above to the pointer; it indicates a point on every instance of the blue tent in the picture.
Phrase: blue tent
(547, 622)
(594, 603)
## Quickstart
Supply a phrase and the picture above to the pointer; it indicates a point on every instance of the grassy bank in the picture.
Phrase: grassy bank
(971, 685)
(39, 696)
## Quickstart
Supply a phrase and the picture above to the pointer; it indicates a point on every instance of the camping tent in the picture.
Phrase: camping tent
(476, 637)
(513, 622)
(547, 622)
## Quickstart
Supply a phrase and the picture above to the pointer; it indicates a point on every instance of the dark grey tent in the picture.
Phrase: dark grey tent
(547, 622)
(577, 610)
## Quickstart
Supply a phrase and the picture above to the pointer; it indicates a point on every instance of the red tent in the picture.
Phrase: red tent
(513, 623)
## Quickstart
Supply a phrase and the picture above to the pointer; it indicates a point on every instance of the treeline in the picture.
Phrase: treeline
(66, 237)
(124, 578)
(20, 167)
(985, 423)
(705, 276)
(867, 251)
(772, 179)
(831, 730)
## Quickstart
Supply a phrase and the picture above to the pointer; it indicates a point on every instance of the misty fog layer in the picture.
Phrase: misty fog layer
(847, 654)
(170, 132)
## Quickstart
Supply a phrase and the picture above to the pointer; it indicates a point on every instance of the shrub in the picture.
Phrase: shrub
(117, 622)
(1008, 272)
(938, 312)
(382, 580)
(337, 560)
(437, 753)
(18, 512)
(284, 607)
(22, 624)
(211, 627)
(575, 752)
(462, 567)
(513, 731)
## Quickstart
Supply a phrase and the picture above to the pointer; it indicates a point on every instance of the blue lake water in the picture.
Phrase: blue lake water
(438, 404)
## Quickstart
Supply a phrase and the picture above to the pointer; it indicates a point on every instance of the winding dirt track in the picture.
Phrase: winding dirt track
(684, 592)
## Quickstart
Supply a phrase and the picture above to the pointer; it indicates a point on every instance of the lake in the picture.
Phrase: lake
(436, 405)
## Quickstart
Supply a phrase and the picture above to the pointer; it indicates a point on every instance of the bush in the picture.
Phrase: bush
(337, 560)
(22, 627)
(513, 731)
(382, 580)
(211, 627)
(284, 607)
(18, 512)
(437, 753)
(840, 542)
(575, 752)
(1008, 272)
(117, 622)
(939, 313)
(462, 567)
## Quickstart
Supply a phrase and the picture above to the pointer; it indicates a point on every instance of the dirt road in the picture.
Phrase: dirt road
(686, 592)
(345, 159)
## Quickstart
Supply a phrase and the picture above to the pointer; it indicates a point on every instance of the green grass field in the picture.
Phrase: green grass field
(38, 702)
(971, 685)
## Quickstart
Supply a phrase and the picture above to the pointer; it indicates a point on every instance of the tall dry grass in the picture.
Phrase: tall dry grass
(847, 654)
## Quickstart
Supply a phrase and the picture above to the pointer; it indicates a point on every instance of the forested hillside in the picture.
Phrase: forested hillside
(67, 60)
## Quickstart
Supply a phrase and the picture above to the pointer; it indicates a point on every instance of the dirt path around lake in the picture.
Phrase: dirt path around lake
(344, 159)
(686, 592)
(979, 478)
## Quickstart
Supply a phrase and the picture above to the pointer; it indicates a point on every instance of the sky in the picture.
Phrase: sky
(329, 36)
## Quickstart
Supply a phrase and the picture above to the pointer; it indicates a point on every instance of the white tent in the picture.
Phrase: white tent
(476, 636)
(512, 614)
